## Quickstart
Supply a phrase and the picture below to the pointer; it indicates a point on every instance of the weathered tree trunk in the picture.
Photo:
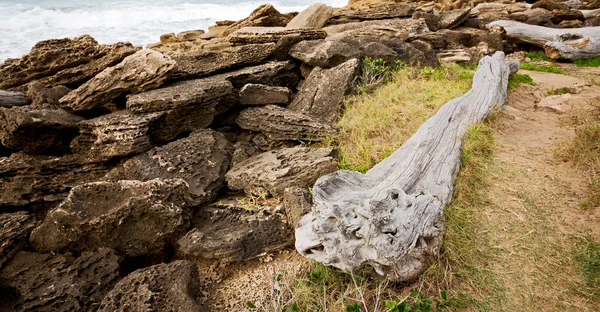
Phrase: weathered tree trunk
(10, 99)
(558, 43)
(392, 218)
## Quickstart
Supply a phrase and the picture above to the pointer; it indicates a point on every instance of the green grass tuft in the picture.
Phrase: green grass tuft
(542, 68)
(587, 254)
(591, 62)
(518, 79)
(538, 56)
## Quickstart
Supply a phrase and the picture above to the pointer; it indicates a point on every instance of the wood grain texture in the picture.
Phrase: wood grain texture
(558, 43)
(391, 218)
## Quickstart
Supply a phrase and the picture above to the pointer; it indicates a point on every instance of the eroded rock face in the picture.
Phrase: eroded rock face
(197, 64)
(315, 16)
(272, 74)
(62, 62)
(47, 97)
(250, 35)
(172, 287)
(257, 94)
(452, 19)
(27, 180)
(322, 93)
(230, 233)
(133, 217)
(14, 233)
(47, 283)
(144, 70)
(201, 160)
(115, 135)
(37, 131)
(280, 124)
(297, 202)
(374, 11)
(397, 28)
(264, 15)
(274, 171)
(331, 53)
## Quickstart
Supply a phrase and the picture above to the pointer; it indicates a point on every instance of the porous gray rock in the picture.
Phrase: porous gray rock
(49, 282)
(280, 124)
(322, 93)
(391, 219)
(273, 171)
(202, 63)
(201, 159)
(46, 97)
(30, 181)
(257, 94)
(283, 74)
(257, 35)
(13, 98)
(453, 18)
(265, 15)
(62, 62)
(144, 70)
(37, 131)
(397, 28)
(234, 230)
(315, 16)
(172, 287)
(135, 218)
(118, 134)
(242, 151)
(14, 233)
(331, 53)
(297, 202)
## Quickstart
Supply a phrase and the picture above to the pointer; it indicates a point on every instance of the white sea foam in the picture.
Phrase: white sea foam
(25, 22)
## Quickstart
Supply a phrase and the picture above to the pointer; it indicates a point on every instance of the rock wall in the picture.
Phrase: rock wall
(115, 159)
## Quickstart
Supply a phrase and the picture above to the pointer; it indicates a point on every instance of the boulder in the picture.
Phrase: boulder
(533, 16)
(264, 15)
(13, 98)
(272, 74)
(37, 131)
(297, 202)
(201, 160)
(29, 181)
(234, 229)
(280, 124)
(322, 93)
(258, 94)
(190, 35)
(118, 134)
(62, 62)
(453, 18)
(197, 64)
(331, 53)
(14, 233)
(566, 15)
(144, 70)
(172, 287)
(432, 20)
(257, 35)
(48, 282)
(397, 28)
(168, 38)
(374, 11)
(273, 171)
(133, 217)
(549, 5)
(203, 94)
(315, 16)
(46, 97)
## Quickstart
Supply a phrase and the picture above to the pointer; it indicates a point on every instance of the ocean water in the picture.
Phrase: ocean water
(25, 22)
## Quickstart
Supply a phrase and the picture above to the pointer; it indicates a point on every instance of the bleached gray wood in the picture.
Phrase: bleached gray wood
(10, 99)
(558, 43)
(392, 217)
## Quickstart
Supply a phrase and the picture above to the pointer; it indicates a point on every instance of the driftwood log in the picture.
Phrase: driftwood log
(558, 43)
(392, 217)
(10, 99)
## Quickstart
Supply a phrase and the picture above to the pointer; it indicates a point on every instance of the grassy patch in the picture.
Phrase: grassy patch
(591, 62)
(587, 254)
(542, 68)
(518, 79)
(376, 124)
(538, 56)
(584, 151)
